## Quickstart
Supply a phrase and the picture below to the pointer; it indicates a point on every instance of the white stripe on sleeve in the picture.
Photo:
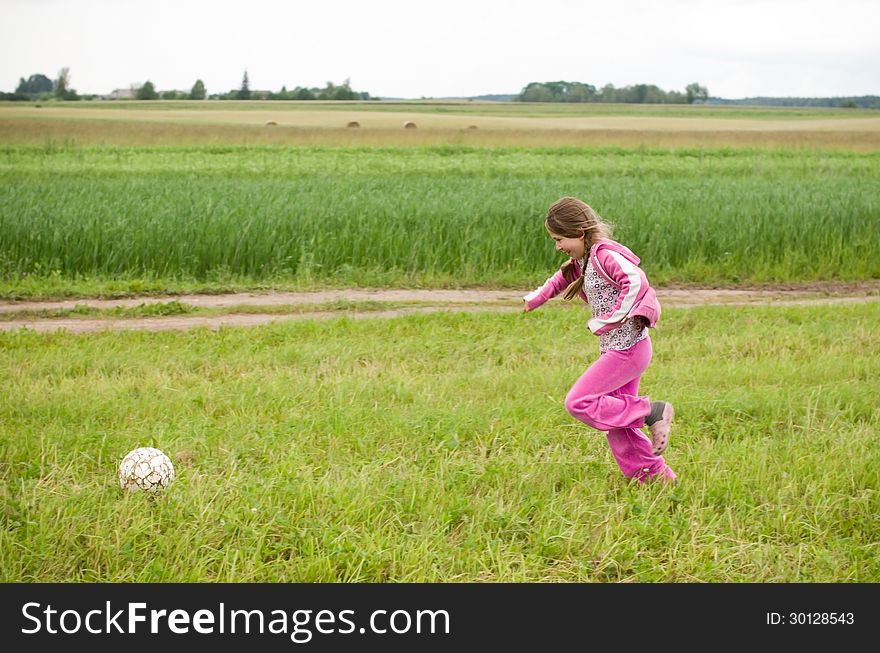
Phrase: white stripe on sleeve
(635, 285)
(534, 294)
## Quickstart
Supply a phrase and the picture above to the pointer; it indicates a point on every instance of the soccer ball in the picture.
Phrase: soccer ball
(145, 469)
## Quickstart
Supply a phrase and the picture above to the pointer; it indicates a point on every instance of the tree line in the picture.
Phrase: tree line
(846, 102)
(40, 87)
(330, 91)
(637, 93)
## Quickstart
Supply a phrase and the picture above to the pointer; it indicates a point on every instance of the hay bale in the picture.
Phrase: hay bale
(409, 125)
(271, 123)
(353, 124)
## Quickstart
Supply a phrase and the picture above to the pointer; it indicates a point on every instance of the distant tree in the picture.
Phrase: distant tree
(577, 92)
(326, 93)
(35, 85)
(283, 94)
(608, 93)
(636, 93)
(62, 88)
(198, 91)
(300, 93)
(62, 83)
(536, 92)
(696, 93)
(562, 91)
(14, 97)
(558, 92)
(147, 92)
(344, 92)
(330, 92)
(244, 92)
(643, 94)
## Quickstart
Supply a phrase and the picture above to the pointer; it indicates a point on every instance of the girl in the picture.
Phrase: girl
(605, 274)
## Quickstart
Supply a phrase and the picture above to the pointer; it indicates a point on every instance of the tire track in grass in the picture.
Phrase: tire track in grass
(439, 301)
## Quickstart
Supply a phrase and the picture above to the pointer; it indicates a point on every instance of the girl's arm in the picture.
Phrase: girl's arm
(552, 287)
(628, 278)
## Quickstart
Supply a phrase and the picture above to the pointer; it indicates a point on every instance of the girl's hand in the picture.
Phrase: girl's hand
(526, 308)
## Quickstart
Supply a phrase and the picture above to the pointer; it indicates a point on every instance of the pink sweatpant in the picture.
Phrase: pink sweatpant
(606, 398)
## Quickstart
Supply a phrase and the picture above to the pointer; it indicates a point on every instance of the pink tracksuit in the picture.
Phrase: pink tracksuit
(606, 395)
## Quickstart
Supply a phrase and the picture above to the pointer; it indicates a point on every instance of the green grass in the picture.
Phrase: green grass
(436, 448)
(174, 307)
(159, 309)
(240, 216)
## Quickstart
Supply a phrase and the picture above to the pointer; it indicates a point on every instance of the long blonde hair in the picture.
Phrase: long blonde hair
(570, 217)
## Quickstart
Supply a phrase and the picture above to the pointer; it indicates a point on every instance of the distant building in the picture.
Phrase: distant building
(121, 94)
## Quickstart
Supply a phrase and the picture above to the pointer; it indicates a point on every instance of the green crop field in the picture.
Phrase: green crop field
(440, 215)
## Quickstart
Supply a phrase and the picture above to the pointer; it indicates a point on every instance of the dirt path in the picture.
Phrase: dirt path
(430, 301)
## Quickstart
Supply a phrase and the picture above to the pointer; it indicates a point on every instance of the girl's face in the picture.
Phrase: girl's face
(574, 247)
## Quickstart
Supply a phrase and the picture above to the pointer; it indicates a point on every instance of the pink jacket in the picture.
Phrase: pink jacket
(619, 266)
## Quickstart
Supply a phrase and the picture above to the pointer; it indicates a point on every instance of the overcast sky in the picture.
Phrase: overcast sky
(448, 48)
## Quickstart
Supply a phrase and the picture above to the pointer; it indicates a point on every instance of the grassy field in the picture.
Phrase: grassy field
(439, 123)
(433, 447)
(202, 217)
(436, 448)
